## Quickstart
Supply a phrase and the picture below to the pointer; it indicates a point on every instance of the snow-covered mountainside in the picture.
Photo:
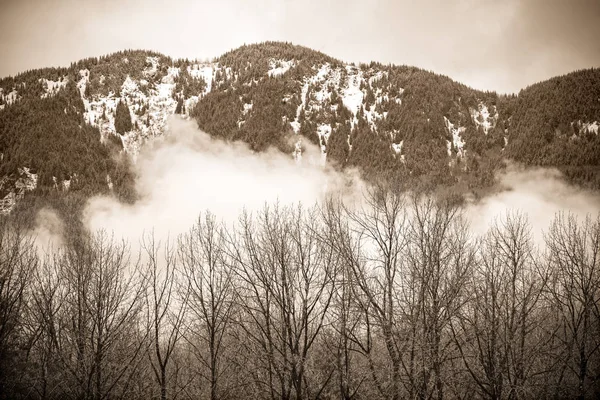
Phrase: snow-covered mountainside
(398, 121)
(150, 101)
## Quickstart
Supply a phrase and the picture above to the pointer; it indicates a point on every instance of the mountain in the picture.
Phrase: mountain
(77, 130)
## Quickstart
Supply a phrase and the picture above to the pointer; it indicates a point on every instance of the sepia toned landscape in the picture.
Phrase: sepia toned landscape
(300, 200)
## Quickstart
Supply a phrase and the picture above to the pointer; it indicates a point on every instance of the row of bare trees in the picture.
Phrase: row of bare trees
(393, 299)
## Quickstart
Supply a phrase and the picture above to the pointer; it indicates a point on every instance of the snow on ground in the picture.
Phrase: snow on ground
(482, 117)
(100, 111)
(315, 100)
(324, 82)
(323, 131)
(588, 126)
(397, 147)
(352, 96)
(323, 71)
(149, 112)
(172, 74)
(205, 72)
(161, 105)
(151, 70)
(10, 98)
(377, 76)
(247, 108)
(457, 140)
(190, 103)
(26, 182)
(131, 90)
(372, 115)
(52, 87)
(296, 124)
(279, 67)
(134, 98)
(82, 83)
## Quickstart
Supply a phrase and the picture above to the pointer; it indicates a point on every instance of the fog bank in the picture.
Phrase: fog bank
(188, 172)
(540, 193)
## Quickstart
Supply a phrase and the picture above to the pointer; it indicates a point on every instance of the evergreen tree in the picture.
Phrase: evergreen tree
(122, 118)
(179, 108)
(337, 146)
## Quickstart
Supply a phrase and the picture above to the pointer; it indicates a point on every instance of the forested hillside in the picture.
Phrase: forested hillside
(81, 127)
(75, 129)
(403, 121)
(555, 123)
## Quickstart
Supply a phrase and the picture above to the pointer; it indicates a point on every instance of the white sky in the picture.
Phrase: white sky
(488, 44)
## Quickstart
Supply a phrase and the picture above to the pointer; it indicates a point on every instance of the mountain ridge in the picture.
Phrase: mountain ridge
(232, 50)
(401, 122)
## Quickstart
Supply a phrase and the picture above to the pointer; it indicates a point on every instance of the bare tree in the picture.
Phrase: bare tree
(346, 321)
(286, 278)
(166, 304)
(439, 259)
(371, 247)
(574, 258)
(99, 333)
(18, 261)
(42, 313)
(499, 333)
(210, 300)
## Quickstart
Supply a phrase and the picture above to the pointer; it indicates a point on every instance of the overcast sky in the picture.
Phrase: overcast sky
(488, 44)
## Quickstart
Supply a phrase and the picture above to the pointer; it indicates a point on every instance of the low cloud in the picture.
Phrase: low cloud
(48, 231)
(187, 172)
(540, 193)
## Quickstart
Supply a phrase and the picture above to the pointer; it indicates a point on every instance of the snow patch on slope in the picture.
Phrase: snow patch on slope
(205, 72)
(296, 123)
(323, 131)
(483, 118)
(52, 87)
(279, 67)
(26, 182)
(591, 127)
(397, 147)
(352, 96)
(457, 140)
(151, 70)
(9, 98)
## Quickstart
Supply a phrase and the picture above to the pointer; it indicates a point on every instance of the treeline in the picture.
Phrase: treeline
(540, 124)
(545, 126)
(413, 100)
(51, 137)
(394, 299)
(251, 61)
